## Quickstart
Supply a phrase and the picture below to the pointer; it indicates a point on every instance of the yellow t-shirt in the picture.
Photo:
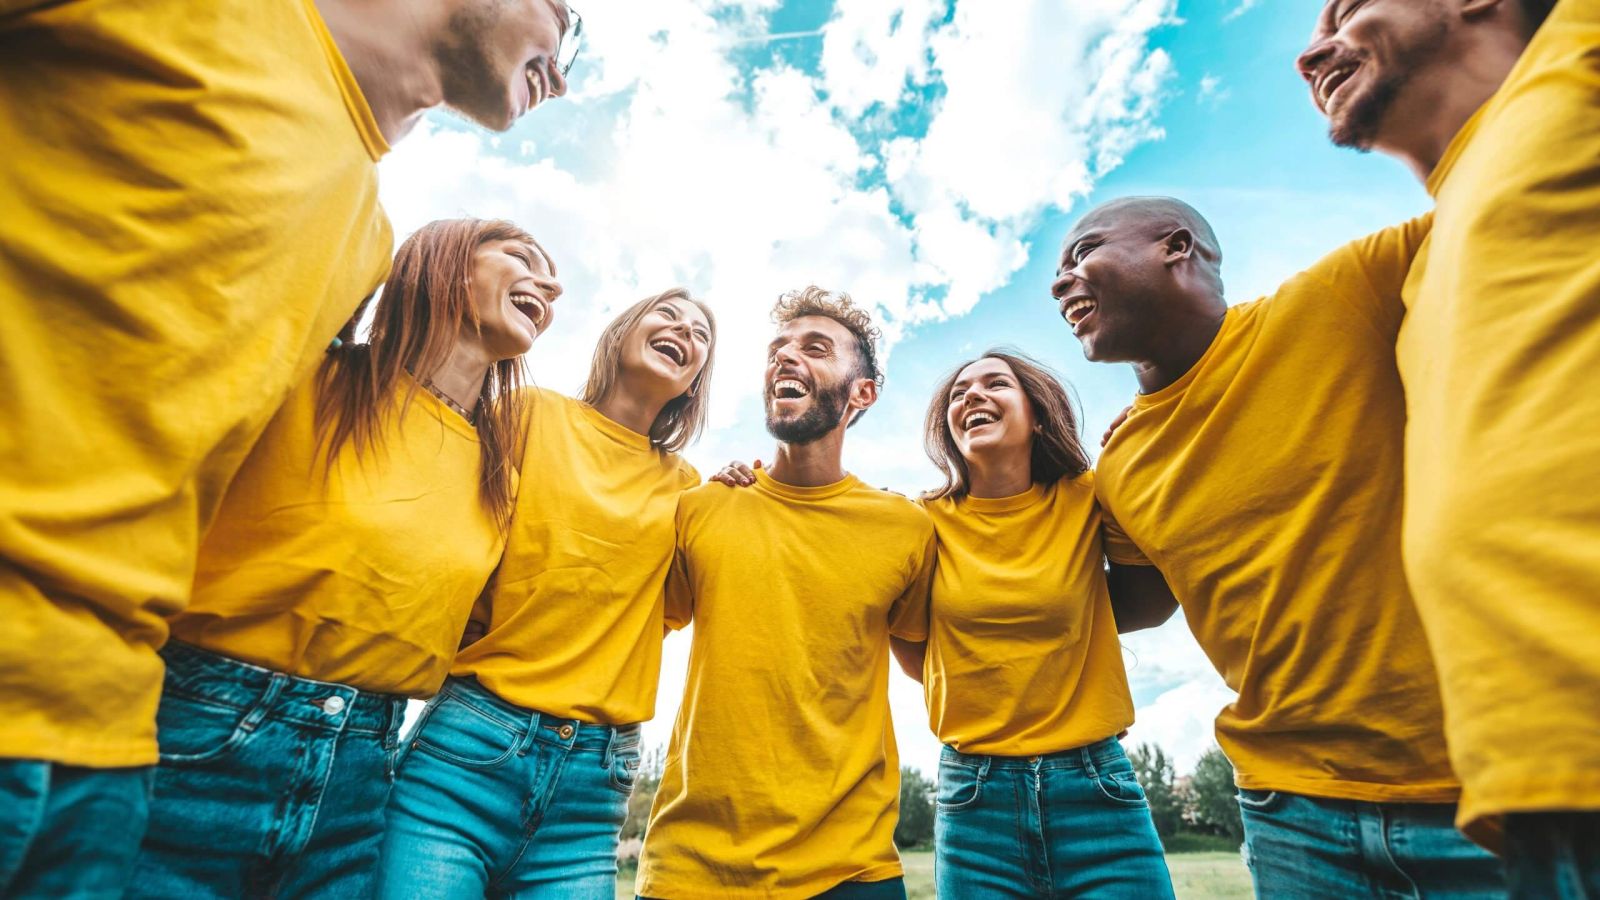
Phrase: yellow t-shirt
(364, 577)
(1265, 484)
(1023, 657)
(188, 213)
(575, 611)
(782, 778)
(1500, 355)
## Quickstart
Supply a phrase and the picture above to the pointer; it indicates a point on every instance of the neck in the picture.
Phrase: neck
(1006, 476)
(388, 46)
(1179, 344)
(815, 464)
(634, 410)
(461, 376)
(1431, 110)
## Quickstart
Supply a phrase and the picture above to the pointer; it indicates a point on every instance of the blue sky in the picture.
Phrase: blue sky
(926, 156)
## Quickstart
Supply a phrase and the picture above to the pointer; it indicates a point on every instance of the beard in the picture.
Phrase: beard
(1359, 124)
(470, 82)
(827, 409)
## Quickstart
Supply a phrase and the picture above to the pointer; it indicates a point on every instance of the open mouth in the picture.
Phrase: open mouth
(1333, 78)
(536, 89)
(789, 389)
(979, 418)
(532, 306)
(671, 349)
(1076, 311)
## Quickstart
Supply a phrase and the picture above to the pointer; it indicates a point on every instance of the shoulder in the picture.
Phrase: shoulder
(892, 509)
(687, 475)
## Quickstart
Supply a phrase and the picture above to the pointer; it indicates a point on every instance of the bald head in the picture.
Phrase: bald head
(1152, 217)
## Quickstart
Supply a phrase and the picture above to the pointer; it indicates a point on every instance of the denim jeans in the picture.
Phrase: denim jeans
(269, 785)
(69, 831)
(495, 800)
(1299, 846)
(1069, 824)
(1553, 856)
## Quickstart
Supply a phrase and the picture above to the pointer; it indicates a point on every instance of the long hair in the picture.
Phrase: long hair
(684, 416)
(417, 320)
(1057, 447)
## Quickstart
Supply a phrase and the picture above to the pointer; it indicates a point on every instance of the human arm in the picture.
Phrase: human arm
(909, 654)
(1140, 597)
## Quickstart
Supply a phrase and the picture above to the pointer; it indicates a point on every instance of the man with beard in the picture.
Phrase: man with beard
(190, 214)
(782, 778)
(1259, 470)
(1495, 106)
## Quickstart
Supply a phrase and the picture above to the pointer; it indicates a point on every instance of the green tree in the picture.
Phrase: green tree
(1216, 804)
(915, 829)
(1156, 775)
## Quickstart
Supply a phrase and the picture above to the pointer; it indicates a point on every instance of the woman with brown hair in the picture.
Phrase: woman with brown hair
(339, 573)
(1022, 669)
(517, 779)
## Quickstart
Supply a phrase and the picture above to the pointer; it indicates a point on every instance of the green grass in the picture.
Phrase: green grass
(1195, 876)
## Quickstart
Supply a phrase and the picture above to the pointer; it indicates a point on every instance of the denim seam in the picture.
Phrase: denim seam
(1388, 853)
(537, 818)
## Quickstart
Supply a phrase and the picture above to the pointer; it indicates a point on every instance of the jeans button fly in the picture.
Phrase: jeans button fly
(565, 731)
(333, 705)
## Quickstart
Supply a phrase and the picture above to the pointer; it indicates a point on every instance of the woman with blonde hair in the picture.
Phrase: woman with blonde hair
(339, 574)
(517, 779)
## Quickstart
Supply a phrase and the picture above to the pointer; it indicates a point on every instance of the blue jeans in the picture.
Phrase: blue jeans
(495, 800)
(269, 785)
(887, 889)
(1299, 846)
(69, 831)
(1069, 824)
(1553, 856)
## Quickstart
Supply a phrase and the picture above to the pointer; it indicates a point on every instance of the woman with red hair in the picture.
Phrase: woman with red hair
(339, 575)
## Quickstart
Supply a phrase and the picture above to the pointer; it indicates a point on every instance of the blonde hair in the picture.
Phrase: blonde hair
(684, 417)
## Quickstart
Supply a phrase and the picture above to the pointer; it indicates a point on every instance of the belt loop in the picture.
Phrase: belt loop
(983, 768)
(274, 688)
(1088, 761)
(611, 742)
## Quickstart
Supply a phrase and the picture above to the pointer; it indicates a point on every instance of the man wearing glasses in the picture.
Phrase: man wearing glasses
(191, 212)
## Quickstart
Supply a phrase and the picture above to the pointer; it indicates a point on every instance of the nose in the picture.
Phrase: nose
(785, 355)
(558, 82)
(1312, 58)
(1062, 284)
(550, 286)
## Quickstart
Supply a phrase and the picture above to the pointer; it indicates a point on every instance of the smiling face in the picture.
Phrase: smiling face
(1362, 57)
(812, 368)
(989, 415)
(513, 294)
(497, 59)
(1106, 285)
(669, 345)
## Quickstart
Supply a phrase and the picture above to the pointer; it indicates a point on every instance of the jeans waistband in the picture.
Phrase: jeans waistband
(574, 733)
(305, 701)
(1093, 756)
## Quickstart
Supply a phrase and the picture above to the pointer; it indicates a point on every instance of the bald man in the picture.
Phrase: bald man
(1259, 470)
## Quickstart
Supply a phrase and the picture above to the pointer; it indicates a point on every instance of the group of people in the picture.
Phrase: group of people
(246, 514)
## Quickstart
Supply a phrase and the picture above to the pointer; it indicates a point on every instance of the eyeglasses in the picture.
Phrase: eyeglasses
(571, 41)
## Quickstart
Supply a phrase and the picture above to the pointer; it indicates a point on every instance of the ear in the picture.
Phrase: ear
(1178, 246)
(863, 394)
(1474, 9)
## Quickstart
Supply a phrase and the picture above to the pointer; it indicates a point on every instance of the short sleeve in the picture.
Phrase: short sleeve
(908, 617)
(1369, 273)
(679, 594)
(1119, 548)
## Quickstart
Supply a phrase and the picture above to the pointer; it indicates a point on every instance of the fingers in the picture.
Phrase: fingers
(1115, 424)
(736, 474)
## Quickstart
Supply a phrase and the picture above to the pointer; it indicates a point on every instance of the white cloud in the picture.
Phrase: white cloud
(1243, 7)
(1211, 92)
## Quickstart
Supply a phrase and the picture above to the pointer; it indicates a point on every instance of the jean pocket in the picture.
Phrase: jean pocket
(1121, 787)
(960, 786)
(624, 770)
(193, 731)
(1259, 801)
(456, 733)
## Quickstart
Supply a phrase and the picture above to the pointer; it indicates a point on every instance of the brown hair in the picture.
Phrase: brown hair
(1536, 11)
(1057, 447)
(684, 416)
(816, 301)
(416, 322)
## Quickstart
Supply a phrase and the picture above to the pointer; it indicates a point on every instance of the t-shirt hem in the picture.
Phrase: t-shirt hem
(89, 754)
(1364, 791)
(668, 889)
(1483, 809)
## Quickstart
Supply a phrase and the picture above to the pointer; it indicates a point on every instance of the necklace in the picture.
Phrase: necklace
(445, 399)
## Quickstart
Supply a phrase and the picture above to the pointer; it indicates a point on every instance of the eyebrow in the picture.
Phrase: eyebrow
(808, 336)
(1072, 243)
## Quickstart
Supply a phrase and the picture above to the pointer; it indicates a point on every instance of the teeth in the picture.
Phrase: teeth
(789, 384)
(670, 349)
(979, 418)
(1076, 312)
(1338, 74)
(531, 305)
